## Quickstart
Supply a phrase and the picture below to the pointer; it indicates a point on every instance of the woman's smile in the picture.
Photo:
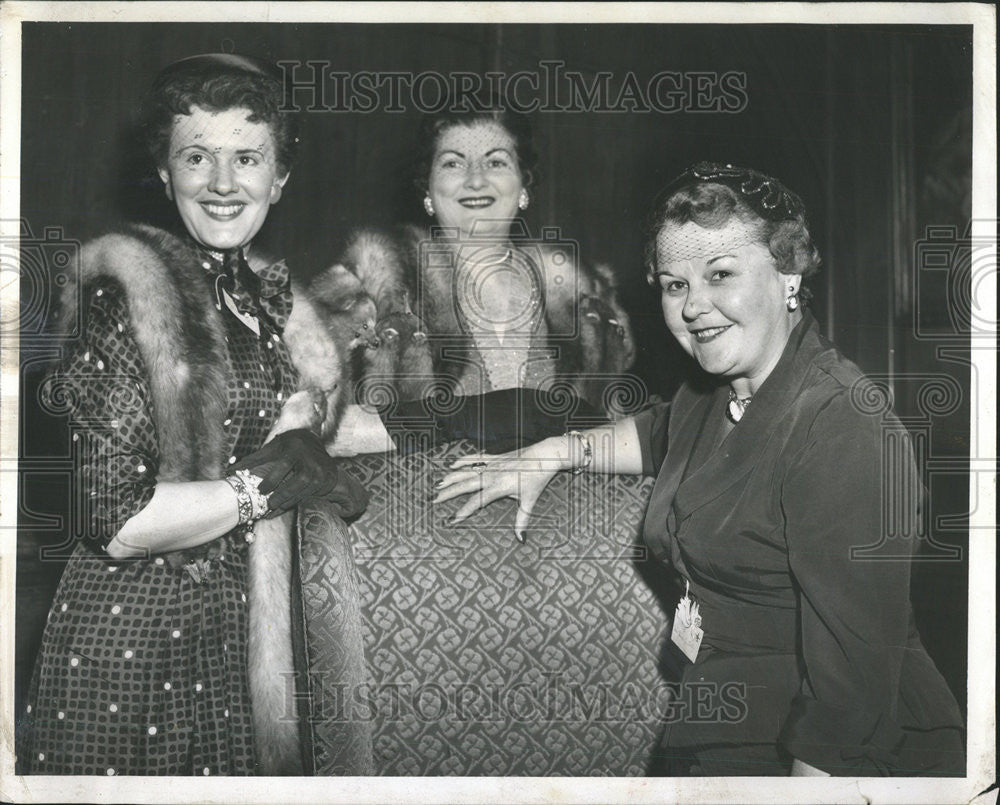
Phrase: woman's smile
(223, 210)
(477, 203)
(707, 334)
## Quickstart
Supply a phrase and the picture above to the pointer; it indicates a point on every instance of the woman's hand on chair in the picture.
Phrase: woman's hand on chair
(522, 475)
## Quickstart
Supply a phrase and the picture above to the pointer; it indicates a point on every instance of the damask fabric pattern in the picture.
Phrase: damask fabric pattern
(488, 657)
(331, 645)
(143, 663)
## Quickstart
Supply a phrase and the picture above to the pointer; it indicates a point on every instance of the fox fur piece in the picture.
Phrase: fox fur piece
(182, 341)
(415, 304)
(270, 659)
(332, 319)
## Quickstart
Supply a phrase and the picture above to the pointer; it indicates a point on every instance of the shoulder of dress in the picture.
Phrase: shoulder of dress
(836, 396)
(138, 261)
(689, 395)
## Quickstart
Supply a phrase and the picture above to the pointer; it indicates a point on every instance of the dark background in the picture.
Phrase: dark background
(870, 125)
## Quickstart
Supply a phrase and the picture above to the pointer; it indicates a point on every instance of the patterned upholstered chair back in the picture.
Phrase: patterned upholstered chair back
(485, 656)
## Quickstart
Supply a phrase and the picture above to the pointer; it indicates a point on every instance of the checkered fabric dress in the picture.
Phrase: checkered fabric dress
(143, 664)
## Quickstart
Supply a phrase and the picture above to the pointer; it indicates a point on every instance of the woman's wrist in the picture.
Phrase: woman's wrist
(360, 431)
(581, 451)
(180, 515)
(251, 504)
(573, 451)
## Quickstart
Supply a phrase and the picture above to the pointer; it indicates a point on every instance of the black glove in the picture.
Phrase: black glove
(294, 465)
(498, 421)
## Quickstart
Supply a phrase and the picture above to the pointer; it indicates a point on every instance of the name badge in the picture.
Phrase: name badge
(687, 632)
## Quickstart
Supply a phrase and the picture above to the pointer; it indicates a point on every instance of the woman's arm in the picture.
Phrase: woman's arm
(124, 511)
(854, 607)
(179, 515)
(524, 474)
(360, 431)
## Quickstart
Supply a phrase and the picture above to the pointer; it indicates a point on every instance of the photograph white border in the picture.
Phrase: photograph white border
(981, 771)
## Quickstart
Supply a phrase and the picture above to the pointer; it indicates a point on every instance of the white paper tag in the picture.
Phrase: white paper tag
(687, 633)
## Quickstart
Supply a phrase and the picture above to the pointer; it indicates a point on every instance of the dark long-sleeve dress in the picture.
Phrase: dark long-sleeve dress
(143, 667)
(809, 647)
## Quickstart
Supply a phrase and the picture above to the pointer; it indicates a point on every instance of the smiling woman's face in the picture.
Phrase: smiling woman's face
(724, 300)
(222, 173)
(475, 178)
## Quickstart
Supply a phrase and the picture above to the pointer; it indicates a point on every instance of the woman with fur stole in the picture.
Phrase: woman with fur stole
(168, 649)
(475, 307)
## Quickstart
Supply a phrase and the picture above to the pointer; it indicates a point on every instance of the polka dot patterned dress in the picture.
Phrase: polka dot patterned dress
(143, 664)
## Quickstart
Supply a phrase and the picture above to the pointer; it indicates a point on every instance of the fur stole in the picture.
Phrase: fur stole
(181, 338)
(588, 329)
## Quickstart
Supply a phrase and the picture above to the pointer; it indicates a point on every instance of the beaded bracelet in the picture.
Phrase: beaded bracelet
(259, 499)
(252, 503)
(243, 501)
(588, 451)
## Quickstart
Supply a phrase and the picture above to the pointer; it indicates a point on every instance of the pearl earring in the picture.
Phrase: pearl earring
(523, 200)
(792, 303)
(429, 206)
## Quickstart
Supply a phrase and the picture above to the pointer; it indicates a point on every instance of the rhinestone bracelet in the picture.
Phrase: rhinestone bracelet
(257, 498)
(251, 501)
(588, 451)
(243, 500)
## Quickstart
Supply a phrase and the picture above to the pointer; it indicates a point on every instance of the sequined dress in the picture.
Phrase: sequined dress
(143, 663)
(498, 299)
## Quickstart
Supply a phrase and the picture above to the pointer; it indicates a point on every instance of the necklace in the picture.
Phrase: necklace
(737, 406)
(498, 296)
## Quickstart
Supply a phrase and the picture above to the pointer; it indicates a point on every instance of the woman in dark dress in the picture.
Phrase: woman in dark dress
(796, 653)
(180, 374)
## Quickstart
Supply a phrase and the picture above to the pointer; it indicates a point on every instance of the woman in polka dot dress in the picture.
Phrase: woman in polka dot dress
(180, 374)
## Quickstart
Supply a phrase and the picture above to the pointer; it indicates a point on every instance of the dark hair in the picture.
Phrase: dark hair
(217, 82)
(516, 124)
(711, 195)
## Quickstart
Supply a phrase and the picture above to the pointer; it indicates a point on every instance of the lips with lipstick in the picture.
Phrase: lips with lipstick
(476, 202)
(223, 210)
(708, 334)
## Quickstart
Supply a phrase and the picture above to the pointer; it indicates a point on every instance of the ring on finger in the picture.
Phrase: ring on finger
(479, 466)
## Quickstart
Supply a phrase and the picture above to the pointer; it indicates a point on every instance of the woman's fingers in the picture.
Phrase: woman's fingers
(458, 486)
(460, 476)
(465, 461)
(525, 506)
(288, 493)
(476, 501)
(271, 475)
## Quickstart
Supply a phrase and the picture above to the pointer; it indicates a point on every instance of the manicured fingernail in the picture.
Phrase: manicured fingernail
(522, 537)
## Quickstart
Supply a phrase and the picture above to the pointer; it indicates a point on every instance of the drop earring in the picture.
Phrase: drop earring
(792, 302)
(429, 206)
(523, 200)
